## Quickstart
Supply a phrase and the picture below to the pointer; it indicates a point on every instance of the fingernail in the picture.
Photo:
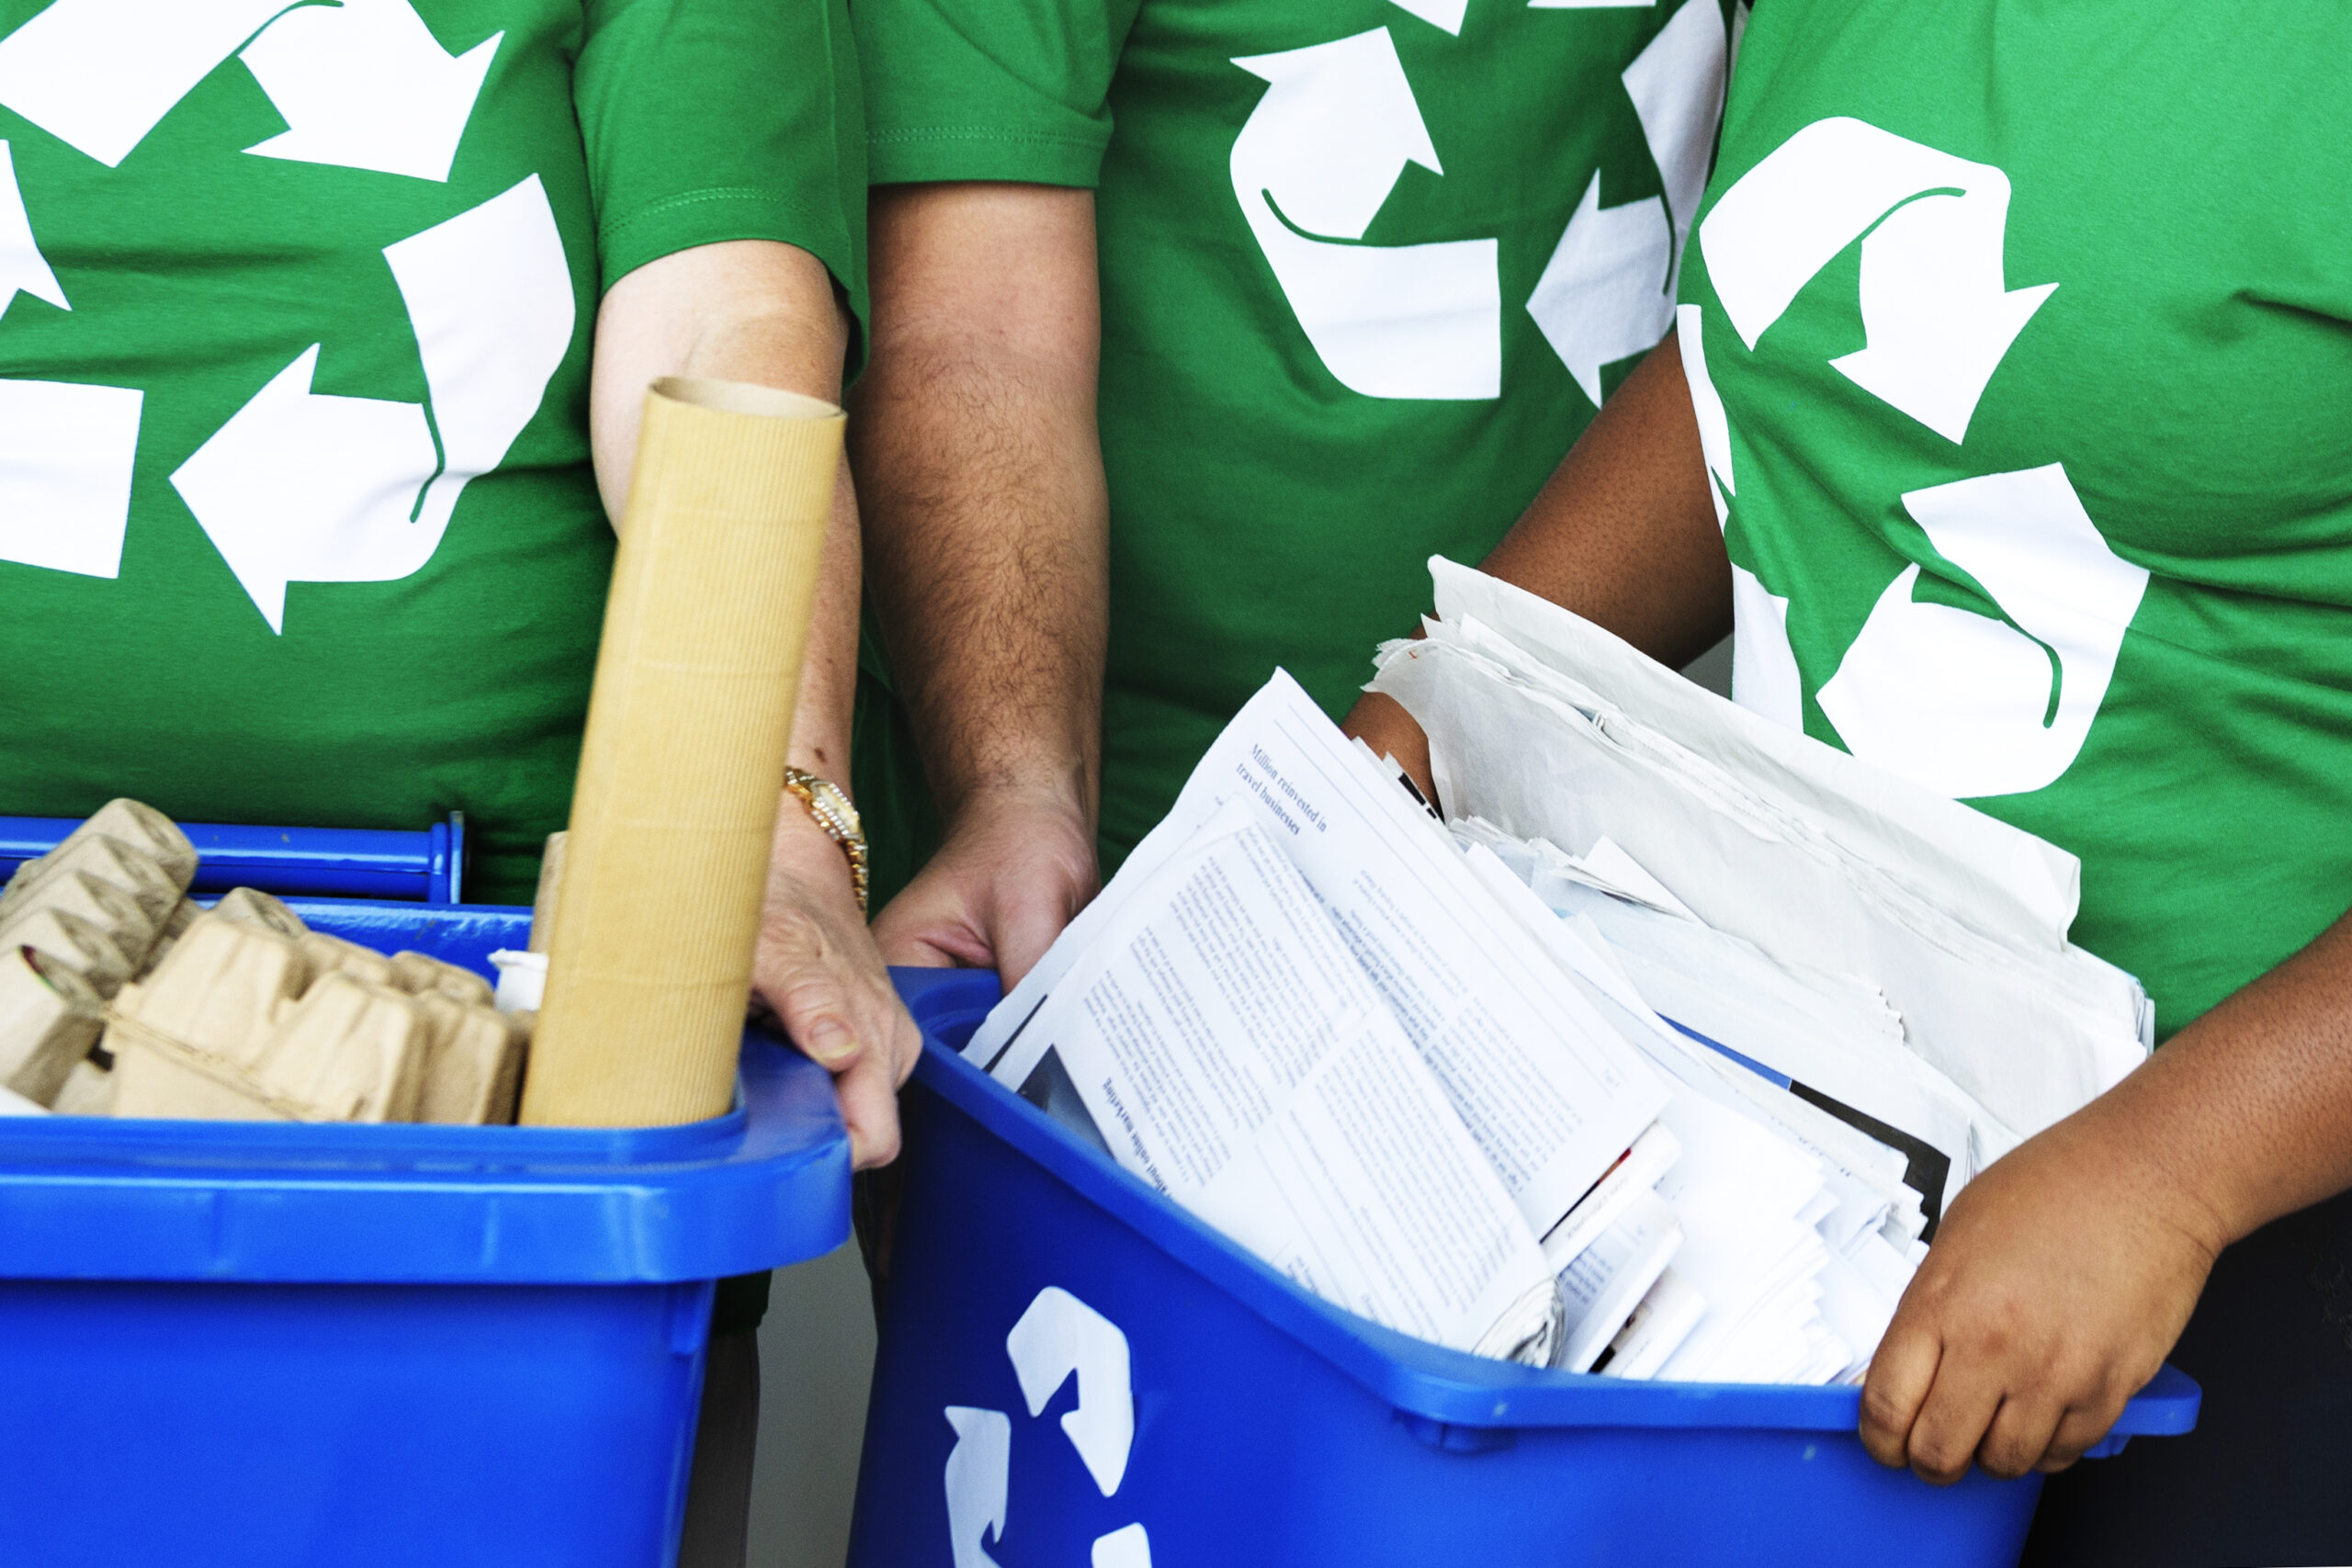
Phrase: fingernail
(830, 1043)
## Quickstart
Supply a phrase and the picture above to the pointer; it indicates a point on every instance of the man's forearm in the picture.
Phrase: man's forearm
(975, 442)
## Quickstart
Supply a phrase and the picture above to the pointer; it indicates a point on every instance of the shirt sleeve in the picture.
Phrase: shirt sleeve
(707, 120)
(989, 89)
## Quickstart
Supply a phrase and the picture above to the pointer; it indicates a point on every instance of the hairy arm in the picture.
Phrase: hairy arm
(759, 312)
(1623, 532)
(986, 520)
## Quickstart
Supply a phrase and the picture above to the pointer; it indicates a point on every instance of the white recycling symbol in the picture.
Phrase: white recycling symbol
(1963, 704)
(295, 487)
(1317, 157)
(1057, 1337)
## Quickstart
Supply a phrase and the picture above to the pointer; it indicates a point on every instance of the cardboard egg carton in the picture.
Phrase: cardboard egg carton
(50, 1017)
(100, 903)
(120, 994)
(88, 1090)
(251, 906)
(243, 1019)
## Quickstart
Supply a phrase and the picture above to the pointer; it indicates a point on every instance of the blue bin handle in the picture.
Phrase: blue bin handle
(427, 866)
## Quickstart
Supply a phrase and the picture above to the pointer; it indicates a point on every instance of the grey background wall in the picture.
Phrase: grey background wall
(817, 1354)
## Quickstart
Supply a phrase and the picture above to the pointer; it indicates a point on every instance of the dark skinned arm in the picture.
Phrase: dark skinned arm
(2061, 1277)
(1622, 532)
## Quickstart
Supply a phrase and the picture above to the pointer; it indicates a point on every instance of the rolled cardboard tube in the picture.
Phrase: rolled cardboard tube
(665, 862)
(550, 887)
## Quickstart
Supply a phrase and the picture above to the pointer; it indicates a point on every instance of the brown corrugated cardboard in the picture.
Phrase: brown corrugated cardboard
(550, 886)
(683, 763)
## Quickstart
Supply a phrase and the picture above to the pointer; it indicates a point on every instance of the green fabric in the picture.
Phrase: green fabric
(1265, 509)
(198, 273)
(2176, 171)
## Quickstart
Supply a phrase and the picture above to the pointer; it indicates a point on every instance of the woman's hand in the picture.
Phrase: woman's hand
(2063, 1274)
(2057, 1284)
(819, 973)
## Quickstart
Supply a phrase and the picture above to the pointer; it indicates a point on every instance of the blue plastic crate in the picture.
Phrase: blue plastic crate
(427, 865)
(268, 1344)
(1269, 1428)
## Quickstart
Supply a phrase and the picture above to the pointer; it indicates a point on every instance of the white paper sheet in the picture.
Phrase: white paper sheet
(1549, 727)
(1550, 1090)
(1601, 1286)
(1234, 1056)
(1658, 1326)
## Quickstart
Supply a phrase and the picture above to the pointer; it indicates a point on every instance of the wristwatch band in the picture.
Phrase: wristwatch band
(839, 819)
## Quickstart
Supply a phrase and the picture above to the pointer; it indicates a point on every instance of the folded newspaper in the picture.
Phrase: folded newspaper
(1660, 1057)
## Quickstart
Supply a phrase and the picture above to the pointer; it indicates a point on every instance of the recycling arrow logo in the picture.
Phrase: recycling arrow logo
(1059, 1337)
(1318, 156)
(1964, 703)
(295, 487)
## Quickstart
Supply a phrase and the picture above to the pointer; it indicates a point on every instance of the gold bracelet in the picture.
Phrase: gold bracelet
(839, 819)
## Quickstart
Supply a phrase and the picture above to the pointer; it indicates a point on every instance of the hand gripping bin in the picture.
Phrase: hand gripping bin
(1217, 1415)
(275, 1344)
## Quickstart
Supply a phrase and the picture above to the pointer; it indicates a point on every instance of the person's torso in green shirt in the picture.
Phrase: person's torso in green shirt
(2027, 384)
(1366, 268)
(296, 521)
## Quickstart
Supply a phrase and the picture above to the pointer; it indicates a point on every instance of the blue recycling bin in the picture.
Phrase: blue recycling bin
(1073, 1371)
(271, 1344)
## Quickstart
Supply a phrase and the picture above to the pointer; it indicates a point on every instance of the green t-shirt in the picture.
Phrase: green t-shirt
(2028, 330)
(297, 520)
(1366, 267)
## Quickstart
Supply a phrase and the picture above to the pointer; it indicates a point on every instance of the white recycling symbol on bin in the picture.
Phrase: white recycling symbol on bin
(1320, 152)
(1964, 703)
(1057, 1337)
(297, 486)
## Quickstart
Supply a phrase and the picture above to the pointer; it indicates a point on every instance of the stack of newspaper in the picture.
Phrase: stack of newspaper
(1660, 1059)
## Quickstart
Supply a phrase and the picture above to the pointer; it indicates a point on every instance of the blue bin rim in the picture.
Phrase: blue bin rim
(1418, 1379)
(766, 1185)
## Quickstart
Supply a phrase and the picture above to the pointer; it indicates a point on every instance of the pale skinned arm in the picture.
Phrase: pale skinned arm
(975, 442)
(2061, 1278)
(759, 312)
